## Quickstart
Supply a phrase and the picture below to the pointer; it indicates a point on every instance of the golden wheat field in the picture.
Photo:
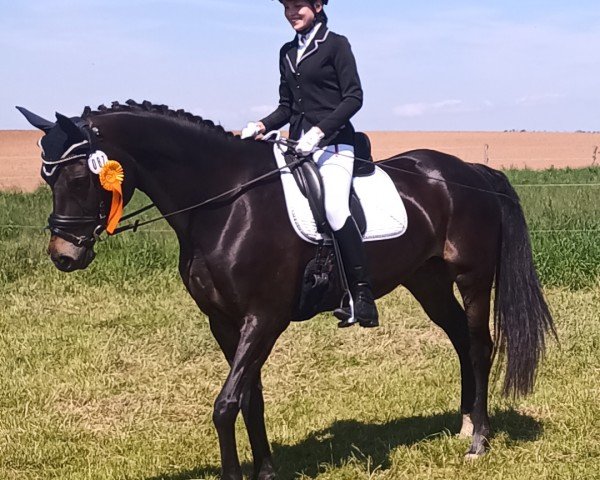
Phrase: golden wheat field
(19, 154)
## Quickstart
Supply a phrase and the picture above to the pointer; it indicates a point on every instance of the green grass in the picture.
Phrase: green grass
(111, 373)
(564, 223)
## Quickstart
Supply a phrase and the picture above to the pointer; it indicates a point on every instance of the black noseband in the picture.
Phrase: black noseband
(60, 225)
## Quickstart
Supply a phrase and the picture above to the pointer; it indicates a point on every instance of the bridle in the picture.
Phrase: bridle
(62, 225)
(59, 225)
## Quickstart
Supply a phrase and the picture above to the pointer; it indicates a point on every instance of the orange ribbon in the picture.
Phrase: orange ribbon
(111, 178)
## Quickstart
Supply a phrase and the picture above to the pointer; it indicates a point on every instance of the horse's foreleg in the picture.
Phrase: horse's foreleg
(476, 298)
(432, 286)
(227, 334)
(257, 337)
(253, 410)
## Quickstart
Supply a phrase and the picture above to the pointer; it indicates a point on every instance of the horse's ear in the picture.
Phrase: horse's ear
(69, 127)
(36, 120)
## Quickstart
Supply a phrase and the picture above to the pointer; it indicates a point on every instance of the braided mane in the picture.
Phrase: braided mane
(161, 110)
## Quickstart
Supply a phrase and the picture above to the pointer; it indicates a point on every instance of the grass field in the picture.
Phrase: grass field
(104, 377)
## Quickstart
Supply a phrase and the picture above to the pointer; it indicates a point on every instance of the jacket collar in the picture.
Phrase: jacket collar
(310, 33)
(313, 46)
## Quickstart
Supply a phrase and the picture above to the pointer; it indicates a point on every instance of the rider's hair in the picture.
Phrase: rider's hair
(322, 17)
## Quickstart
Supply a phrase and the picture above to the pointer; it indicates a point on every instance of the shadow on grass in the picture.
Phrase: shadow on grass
(196, 473)
(344, 439)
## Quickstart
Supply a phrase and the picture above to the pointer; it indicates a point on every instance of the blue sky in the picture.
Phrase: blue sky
(460, 65)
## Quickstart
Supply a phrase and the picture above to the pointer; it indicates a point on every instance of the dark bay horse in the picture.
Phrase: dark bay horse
(242, 262)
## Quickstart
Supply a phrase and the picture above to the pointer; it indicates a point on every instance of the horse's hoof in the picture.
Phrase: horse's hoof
(470, 457)
(266, 476)
(476, 451)
(267, 472)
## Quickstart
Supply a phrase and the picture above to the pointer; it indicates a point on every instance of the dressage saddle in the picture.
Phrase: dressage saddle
(309, 181)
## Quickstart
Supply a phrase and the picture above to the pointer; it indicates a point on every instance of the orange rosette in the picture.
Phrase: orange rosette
(111, 179)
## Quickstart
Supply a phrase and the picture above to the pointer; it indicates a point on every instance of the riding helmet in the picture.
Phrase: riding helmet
(324, 2)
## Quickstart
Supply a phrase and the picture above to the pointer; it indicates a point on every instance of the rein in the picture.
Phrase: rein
(220, 197)
(285, 142)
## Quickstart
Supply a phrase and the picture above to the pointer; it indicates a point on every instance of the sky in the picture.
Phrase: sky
(436, 65)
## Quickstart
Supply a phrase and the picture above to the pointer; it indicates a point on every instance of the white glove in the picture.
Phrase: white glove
(309, 141)
(252, 130)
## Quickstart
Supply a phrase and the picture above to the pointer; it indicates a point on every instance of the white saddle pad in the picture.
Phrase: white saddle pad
(383, 207)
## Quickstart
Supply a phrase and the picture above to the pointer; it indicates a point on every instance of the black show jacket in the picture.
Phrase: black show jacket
(322, 90)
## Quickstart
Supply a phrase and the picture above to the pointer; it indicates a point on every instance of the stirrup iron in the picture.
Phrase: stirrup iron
(345, 313)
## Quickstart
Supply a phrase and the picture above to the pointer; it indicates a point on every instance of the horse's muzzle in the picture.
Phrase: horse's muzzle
(68, 257)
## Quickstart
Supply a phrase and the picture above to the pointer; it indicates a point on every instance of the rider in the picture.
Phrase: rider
(319, 92)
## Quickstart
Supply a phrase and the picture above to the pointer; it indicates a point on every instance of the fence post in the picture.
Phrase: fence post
(486, 157)
(594, 155)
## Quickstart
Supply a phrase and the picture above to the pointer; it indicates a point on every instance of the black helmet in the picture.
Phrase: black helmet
(324, 2)
(321, 16)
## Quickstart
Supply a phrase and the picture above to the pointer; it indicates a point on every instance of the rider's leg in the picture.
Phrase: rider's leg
(336, 165)
(351, 247)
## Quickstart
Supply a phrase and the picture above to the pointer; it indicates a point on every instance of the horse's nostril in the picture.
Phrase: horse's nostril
(63, 262)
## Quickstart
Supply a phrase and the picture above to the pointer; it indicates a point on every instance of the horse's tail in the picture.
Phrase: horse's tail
(521, 316)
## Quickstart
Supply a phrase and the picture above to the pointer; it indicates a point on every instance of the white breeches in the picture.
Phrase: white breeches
(336, 172)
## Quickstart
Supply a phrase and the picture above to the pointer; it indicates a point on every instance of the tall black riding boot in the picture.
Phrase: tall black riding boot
(353, 257)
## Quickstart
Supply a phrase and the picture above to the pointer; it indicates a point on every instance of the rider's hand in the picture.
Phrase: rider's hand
(252, 130)
(309, 141)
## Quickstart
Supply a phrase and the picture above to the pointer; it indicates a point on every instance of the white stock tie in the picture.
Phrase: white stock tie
(303, 41)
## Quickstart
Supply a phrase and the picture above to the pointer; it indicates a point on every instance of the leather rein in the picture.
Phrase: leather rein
(60, 224)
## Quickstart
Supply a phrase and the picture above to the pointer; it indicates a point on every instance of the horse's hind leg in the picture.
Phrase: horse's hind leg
(432, 286)
(475, 289)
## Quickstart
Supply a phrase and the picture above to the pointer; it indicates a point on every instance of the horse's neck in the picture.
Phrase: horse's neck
(179, 165)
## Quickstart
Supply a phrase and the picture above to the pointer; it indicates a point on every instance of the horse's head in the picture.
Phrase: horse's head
(71, 163)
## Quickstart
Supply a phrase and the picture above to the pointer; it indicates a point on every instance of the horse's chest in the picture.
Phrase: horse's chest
(200, 283)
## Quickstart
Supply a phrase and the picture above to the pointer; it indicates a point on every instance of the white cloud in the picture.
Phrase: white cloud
(420, 109)
(538, 99)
